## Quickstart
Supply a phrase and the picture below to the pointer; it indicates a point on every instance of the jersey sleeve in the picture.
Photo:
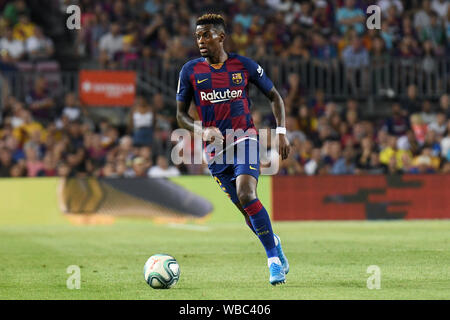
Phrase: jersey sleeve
(184, 90)
(257, 75)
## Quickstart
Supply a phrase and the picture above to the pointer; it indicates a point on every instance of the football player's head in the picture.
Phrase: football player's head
(210, 34)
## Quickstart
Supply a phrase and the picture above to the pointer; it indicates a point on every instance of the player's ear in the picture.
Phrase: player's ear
(222, 35)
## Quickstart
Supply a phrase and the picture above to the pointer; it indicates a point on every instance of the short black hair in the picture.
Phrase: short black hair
(212, 18)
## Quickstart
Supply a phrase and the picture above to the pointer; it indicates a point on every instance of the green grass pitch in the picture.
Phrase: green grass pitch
(224, 260)
(220, 259)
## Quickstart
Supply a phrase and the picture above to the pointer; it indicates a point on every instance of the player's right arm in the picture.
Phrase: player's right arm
(184, 96)
(183, 118)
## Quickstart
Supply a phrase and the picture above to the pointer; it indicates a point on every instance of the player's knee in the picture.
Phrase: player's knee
(246, 196)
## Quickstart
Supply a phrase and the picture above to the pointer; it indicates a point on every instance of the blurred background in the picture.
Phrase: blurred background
(358, 101)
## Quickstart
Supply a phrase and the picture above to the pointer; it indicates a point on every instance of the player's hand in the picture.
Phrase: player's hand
(283, 146)
(212, 134)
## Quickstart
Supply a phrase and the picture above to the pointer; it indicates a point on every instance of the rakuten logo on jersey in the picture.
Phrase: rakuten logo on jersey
(220, 96)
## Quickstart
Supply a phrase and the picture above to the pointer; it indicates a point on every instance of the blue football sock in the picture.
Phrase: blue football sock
(261, 224)
(249, 224)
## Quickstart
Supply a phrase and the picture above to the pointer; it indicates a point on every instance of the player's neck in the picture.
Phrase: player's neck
(221, 58)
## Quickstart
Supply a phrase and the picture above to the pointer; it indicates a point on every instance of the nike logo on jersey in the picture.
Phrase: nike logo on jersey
(200, 81)
(253, 168)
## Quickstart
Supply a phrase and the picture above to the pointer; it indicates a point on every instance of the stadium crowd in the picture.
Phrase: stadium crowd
(42, 135)
(132, 32)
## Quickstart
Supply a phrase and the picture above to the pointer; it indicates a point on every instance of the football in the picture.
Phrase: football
(161, 271)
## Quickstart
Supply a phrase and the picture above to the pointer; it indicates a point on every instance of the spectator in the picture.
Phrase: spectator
(239, 39)
(387, 35)
(293, 93)
(322, 20)
(33, 164)
(142, 123)
(64, 170)
(72, 110)
(12, 50)
(445, 144)
(423, 165)
(24, 29)
(139, 168)
(412, 103)
(350, 15)
(422, 18)
(378, 52)
(397, 124)
(162, 169)
(434, 32)
(428, 115)
(429, 64)
(35, 142)
(13, 10)
(95, 149)
(407, 28)
(6, 162)
(392, 152)
(355, 56)
(375, 166)
(313, 165)
(419, 128)
(126, 148)
(444, 105)
(440, 7)
(153, 6)
(439, 125)
(323, 50)
(243, 17)
(111, 44)
(318, 103)
(356, 59)
(292, 130)
(38, 46)
(18, 170)
(49, 169)
(307, 123)
(363, 157)
(306, 18)
(345, 164)
(386, 4)
(40, 101)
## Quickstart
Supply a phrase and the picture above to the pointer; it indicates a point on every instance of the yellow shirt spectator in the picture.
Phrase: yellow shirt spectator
(388, 153)
(23, 133)
(24, 29)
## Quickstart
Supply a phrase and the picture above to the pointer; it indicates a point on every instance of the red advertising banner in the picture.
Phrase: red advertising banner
(361, 197)
(107, 88)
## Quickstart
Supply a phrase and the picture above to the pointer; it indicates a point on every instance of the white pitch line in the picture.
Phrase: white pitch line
(190, 227)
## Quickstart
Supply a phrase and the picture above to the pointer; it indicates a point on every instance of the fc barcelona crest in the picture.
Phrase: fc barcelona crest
(237, 78)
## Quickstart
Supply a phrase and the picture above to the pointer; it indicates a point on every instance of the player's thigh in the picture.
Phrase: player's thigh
(246, 170)
(227, 183)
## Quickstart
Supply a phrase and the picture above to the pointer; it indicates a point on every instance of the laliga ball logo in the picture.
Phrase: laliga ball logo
(161, 271)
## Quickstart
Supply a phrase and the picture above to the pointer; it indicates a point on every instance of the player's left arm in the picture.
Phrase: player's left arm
(262, 81)
(278, 110)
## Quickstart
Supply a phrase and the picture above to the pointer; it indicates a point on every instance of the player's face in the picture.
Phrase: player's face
(208, 40)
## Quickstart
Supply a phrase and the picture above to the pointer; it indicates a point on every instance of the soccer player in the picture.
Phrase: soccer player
(218, 82)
